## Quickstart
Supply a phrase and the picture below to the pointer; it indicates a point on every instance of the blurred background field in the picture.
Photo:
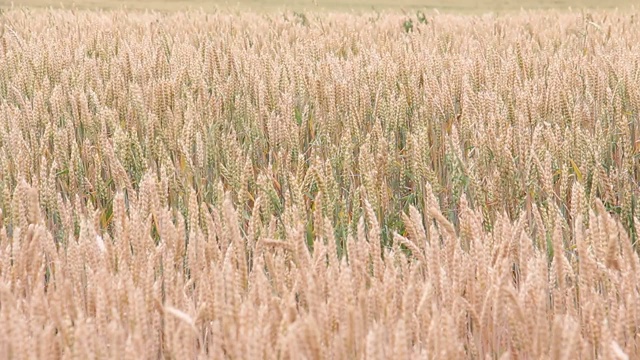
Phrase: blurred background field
(458, 6)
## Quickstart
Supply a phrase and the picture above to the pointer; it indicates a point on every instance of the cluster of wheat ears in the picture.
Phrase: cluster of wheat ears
(319, 186)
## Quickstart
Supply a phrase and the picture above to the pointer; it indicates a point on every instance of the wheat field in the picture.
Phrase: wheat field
(357, 6)
(319, 186)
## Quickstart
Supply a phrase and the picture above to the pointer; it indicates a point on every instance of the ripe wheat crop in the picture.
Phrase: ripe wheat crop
(319, 186)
